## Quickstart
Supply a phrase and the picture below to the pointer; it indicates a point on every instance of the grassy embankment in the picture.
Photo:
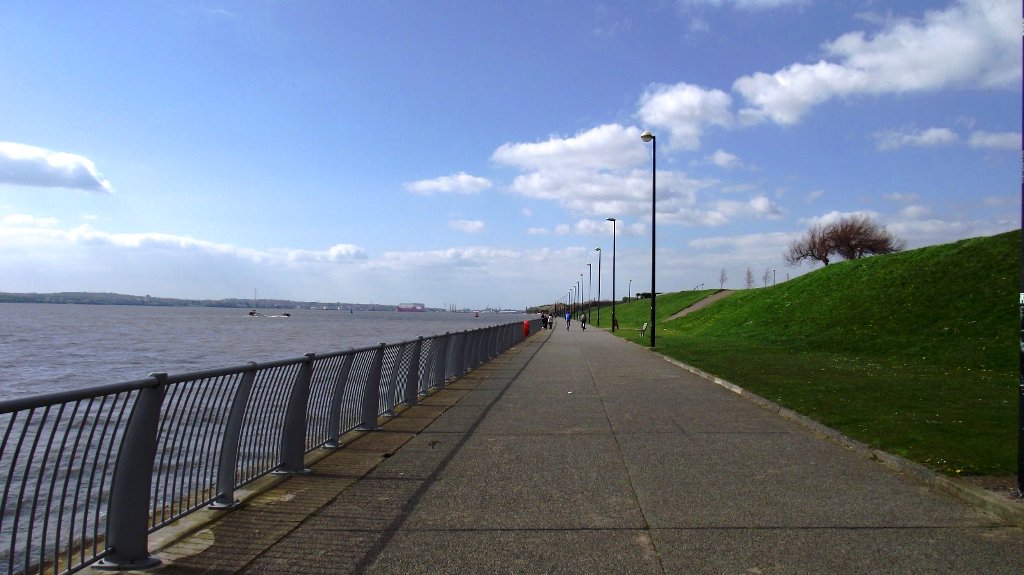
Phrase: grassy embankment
(914, 353)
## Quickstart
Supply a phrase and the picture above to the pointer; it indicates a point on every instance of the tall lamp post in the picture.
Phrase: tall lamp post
(590, 289)
(598, 250)
(579, 286)
(612, 220)
(629, 291)
(647, 136)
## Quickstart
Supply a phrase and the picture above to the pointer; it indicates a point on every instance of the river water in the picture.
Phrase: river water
(52, 347)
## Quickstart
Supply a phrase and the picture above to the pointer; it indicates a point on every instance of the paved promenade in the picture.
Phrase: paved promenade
(582, 453)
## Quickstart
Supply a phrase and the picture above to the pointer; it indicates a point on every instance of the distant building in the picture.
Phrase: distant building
(411, 307)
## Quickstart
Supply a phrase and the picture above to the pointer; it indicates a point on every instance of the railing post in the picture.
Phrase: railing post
(128, 519)
(229, 442)
(371, 394)
(412, 381)
(334, 415)
(463, 365)
(293, 436)
(441, 359)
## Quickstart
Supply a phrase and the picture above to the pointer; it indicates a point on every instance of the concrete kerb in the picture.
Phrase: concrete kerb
(996, 505)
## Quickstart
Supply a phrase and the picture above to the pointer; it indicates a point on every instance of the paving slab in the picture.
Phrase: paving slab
(583, 453)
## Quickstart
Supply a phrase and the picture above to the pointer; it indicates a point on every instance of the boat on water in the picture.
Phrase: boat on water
(254, 313)
(411, 307)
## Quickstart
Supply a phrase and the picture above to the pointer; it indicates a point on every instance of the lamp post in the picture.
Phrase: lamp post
(598, 250)
(647, 136)
(612, 220)
(579, 288)
(629, 291)
(590, 289)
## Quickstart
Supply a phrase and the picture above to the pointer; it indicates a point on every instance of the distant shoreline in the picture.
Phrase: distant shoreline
(101, 298)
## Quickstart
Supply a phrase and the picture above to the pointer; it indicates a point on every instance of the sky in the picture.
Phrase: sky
(469, 154)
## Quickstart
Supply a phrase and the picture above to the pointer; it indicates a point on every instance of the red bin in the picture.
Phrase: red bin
(526, 329)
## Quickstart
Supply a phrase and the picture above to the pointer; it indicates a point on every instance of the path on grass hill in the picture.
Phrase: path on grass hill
(702, 304)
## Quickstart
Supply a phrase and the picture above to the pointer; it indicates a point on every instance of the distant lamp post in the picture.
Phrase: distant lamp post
(590, 289)
(612, 220)
(579, 286)
(629, 291)
(773, 276)
(647, 136)
(598, 250)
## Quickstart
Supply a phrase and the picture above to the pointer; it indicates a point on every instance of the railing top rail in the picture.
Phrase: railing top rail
(65, 396)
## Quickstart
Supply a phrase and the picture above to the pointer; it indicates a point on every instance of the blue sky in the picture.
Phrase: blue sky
(469, 153)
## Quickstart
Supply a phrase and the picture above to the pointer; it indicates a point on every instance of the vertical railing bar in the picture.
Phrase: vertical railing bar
(334, 415)
(54, 429)
(40, 428)
(163, 479)
(371, 391)
(64, 489)
(412, 379)
(192, 442)
(14, 465)
(81, 472)
(8, 482)
(81, 477)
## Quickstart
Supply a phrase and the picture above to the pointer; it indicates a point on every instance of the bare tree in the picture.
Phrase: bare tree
(750, 278)
(767, 276)
(721, 279)
(815, 245)
(850, 238)
(858, 236)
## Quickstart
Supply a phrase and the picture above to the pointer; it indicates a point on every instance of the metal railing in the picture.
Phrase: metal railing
(89, 474)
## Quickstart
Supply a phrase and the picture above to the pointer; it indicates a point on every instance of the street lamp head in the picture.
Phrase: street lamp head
(610, 219)
(597, 249)
(647, 136)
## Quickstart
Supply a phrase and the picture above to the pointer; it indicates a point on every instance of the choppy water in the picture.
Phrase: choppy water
(51, 347)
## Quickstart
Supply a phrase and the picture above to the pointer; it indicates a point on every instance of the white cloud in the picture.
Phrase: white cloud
(25, 220)
(749, 4)
(460, 183)
(893, 140)
(973, 43)
(995, 140)
(814, 196)
(594, 227)
(607, 147)
(537, 231)
(834, 216)
(334, 254)
(467, 226)
(901, 197)
(684, 110)
(757, 207)
(24, 165)
(914, 212)
(724, 159)
(1001, 201)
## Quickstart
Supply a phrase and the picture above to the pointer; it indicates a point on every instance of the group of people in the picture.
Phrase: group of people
(547, 321)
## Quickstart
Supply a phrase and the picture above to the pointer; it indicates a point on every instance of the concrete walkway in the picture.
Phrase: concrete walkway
(582, 453)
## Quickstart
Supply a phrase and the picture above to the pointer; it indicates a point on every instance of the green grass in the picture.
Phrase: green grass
(915, 353)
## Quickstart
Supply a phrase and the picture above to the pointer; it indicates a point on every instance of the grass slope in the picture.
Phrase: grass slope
(915, 353)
